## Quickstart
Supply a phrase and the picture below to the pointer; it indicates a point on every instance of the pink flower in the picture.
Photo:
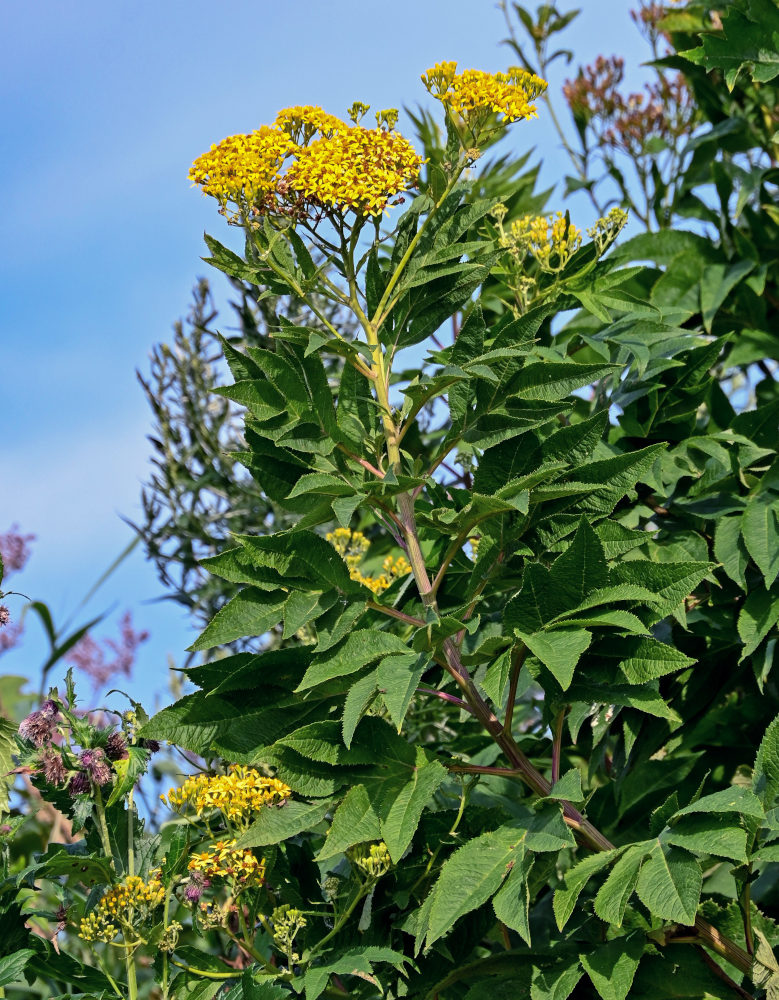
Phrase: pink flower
(14, 549)
(96, 660)
(95, 763)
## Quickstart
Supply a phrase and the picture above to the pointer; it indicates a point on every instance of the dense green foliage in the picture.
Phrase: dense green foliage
(522, 584)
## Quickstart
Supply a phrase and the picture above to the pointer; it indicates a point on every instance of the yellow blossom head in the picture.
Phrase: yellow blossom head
(238, 795)
(473, 96)
(310, 161)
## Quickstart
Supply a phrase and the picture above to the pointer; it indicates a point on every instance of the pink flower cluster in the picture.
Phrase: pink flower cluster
(110, 657)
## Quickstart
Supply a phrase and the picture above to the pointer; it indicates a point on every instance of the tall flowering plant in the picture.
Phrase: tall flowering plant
(480, 757)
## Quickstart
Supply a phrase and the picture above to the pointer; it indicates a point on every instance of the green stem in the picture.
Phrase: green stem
(382, 309)
(108, 975)
(204, 972)
(364, 890)
(102, 826)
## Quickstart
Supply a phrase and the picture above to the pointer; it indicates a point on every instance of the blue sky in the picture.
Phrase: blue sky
(105, 105)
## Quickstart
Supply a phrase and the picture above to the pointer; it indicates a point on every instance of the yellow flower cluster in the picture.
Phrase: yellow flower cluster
(125, 905)
(373, 860)
(238, 794)
(332, 165)
(473, 92)
(607, 229)
(243, 166)
(552, 240)
(358, 170)
(223, 860)
(352, 546)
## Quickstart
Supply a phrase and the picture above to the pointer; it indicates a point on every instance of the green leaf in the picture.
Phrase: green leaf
(7, 748)
(401, 810)
(361, 648)
(559, 651)
(556, 983)
(358, 699)
(569, 787)
(355, 962)
(398, 677)
(581, 569)
(649, 658)
(748, 42)
(720, 836)
(512, 902)
(251, 613)
(566, 897)
(354, 822)
(756, 619)
(469, 877)
(760, 530)
(612, 898)
(669, 582)
(765, 778)
(12, 966)
(278, 823)
(730, 550)
(612, 966)
(669, 884)
(128, 772)
(551, 381)
(735, 799)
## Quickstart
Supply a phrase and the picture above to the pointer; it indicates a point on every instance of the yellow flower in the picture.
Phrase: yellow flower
(303, 122)
(126, 906)
(223, 860)
(474, 94)
(238, 795)
(243, 167)
(356, 170)
(552, 241)
(352, 546)
(332, 165)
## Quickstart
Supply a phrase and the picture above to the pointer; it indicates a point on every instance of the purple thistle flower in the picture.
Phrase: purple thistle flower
(116, 747)
(36, 728)
(95, 763)
(5, 616)
(79, 783)
(151, 745)
(194, 890)
(49, 709)
(52, 767)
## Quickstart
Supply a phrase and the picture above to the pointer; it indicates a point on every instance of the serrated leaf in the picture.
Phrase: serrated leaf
(278, 823)
(765, 778)
(559, 651)
(469, 877)
(613, 896)
(648, 658)
(735, 799)
(568, 787)
(669, 884)
(251, 613)
(552, 381)
(512, 902)
(354, 822)
(398, 677)
(760, 530)
(566, 897)
(730, 550)
(612, 966)
(361, 648)
(669, 582)
(581, 569)
(557, 983)
(402, 810)
(720, 836)
(756, 619)
(12, 966)
(357, 701)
